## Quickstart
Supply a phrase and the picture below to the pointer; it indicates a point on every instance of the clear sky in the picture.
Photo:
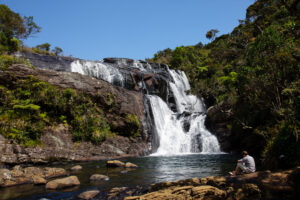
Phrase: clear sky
(95, 29)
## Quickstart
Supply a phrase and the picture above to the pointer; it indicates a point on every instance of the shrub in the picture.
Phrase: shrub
(7, 60)
(133, 124)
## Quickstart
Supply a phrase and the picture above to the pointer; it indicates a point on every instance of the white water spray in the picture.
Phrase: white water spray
(173, 138)
(99, 70)
(179, 132)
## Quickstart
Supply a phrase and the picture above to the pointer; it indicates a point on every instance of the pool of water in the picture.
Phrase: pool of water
(152, 169)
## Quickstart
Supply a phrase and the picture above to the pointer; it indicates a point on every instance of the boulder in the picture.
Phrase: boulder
(99, 177)
(29, 175)
(63, 183)
(88, 194)
(248, 191)
(33, 171)
(114, 163)
(76, 168)
(37, 180)
(130, 165)
(54, 172)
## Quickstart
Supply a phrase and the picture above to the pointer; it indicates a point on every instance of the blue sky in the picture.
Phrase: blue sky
(95, 29)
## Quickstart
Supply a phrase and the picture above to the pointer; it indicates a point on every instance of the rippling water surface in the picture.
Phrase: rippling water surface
(151, 170)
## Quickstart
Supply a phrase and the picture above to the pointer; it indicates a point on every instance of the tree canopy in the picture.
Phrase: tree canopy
(14, 28)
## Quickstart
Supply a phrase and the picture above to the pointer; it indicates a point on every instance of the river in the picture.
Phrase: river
(152, 169)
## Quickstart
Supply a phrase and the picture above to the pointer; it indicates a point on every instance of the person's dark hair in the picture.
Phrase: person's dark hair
(245, 153)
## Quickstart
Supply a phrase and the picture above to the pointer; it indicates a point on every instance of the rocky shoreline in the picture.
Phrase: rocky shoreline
(258, 185)
(59, 147)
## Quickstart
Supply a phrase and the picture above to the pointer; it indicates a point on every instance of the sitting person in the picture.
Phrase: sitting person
(244, 165)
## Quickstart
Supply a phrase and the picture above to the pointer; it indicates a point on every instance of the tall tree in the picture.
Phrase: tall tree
(13, 25)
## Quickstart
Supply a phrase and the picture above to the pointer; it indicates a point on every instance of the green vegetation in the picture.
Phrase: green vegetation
(134, 126)
(14, 29)
(254, 71)
(29, 105)
(44, 49)
(7, 60)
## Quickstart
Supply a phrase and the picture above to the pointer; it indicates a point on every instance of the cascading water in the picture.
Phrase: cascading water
(179, 130)
(182, 131)
(99, 70)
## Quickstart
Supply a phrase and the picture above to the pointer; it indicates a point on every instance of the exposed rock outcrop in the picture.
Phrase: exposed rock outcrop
(258, 185)
(58, 146)
(57, 139)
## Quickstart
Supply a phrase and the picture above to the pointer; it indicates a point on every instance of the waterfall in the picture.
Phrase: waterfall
(182, 131)
(98, 70)
(178, 130)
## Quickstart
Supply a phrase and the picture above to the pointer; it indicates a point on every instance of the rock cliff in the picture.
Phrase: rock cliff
(57, 140)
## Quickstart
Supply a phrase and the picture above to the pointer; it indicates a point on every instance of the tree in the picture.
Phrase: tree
(57, 51)
(211, 34)
(13, 25)
(44, 47)
(13, 28)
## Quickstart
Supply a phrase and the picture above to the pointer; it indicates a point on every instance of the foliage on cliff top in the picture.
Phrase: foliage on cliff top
(255, 70)
(14, 28)
(28, 105)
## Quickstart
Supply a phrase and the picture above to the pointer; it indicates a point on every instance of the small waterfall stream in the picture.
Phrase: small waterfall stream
(180, 130)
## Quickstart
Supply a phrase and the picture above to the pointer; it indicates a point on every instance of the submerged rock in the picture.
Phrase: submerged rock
(130, 165)
(99, 177)
(63, 183)
(76, 168)
(89, 194)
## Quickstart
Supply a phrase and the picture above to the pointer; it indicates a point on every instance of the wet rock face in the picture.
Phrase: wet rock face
(216, 122)
(151, 78)
(139, 76)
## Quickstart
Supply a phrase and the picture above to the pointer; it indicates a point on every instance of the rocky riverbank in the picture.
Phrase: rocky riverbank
(258, 185)
(59, 147)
